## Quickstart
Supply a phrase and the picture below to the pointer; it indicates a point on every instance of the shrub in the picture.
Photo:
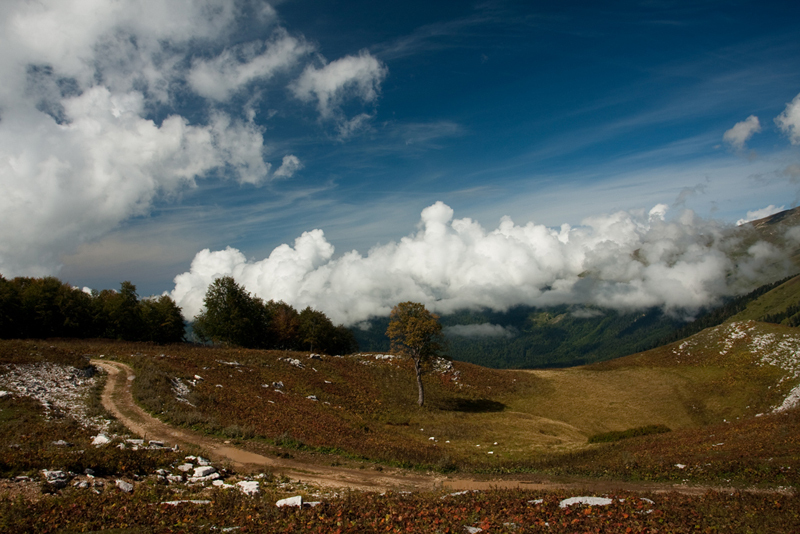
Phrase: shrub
(608, 437)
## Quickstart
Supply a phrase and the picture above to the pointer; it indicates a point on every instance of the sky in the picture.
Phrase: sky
(351, 155)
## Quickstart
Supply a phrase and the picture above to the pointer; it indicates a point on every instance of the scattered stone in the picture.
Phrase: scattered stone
(472, 530)
(204, 471)
(591, 501)
(127, 487)
(312, 397)
(203, 461)
(62, 443)
(59, 388)
(294, 362)
(100, 439)
(4, 394)
(193, 501)
(57, 479)
(174, 479)
(185, 467)
(156, 444)
(296, 501)
(249, 487)
(203, 480)
(82, 484)
(88, 472)
(314, 357)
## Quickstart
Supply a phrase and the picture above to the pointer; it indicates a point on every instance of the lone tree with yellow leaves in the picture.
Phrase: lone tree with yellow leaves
(416, 333)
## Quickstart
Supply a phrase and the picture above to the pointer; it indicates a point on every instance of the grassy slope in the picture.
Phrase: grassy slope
(366, 406)
(773, 302)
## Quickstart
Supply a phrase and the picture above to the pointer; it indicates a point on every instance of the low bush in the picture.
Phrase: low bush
(608, 437)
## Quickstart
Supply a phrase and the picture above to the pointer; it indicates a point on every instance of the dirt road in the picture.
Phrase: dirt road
(118, 399)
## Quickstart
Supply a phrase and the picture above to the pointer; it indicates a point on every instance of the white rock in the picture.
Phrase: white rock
(204, 471)
(251, 487)
(203, 461)
(127, 487)
(185, 467)
(290, 501)
(58, 479)
(100, 439)
(591, 501)
(174, 479)
(472, 530)
(203, 480)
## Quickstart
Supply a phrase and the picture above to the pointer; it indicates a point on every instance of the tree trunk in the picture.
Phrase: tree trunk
(418, 369)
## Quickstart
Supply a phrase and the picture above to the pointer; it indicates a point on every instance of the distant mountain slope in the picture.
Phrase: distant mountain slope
(565, 336)
(779, 305)
(782, 230)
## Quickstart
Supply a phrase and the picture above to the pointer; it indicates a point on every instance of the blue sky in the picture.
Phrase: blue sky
(543, 112)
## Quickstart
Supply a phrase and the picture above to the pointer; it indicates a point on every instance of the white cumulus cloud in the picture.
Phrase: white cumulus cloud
(742, 132)
(349, 77)
(220, 76)
(90, 135)
(290, 165)
(789, 120)
(624, 260)
(760, 214)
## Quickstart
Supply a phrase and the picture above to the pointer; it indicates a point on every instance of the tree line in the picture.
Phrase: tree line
(47, 307)
(235, 317)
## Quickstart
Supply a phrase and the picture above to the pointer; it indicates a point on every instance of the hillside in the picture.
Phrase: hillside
(725, 393)
(363, 406)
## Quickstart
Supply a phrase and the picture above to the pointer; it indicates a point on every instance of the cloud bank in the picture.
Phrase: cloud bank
(624, 260)
(92, 132)
(479, 330)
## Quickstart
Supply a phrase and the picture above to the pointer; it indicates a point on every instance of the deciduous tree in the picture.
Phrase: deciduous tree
(232, 315)
(416, 333)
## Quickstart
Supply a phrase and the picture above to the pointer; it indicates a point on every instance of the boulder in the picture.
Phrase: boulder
(249, 487)
(57, 479)
(100, 440)
(296, 501)
(203, 471)
(127, 487)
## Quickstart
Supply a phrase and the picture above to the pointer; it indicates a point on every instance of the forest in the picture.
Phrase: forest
(46, 307)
